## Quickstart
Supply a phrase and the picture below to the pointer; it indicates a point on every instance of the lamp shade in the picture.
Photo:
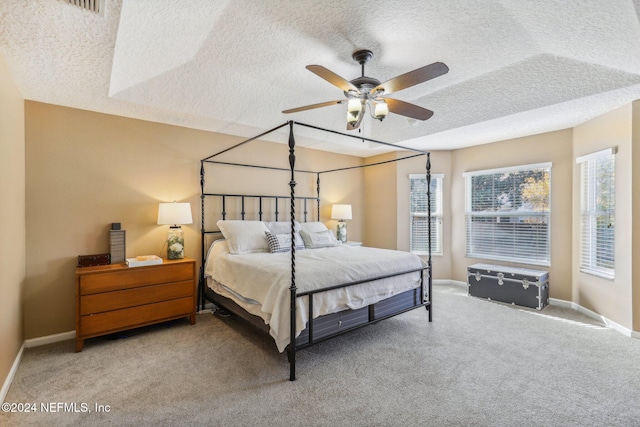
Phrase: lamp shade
(174, 213)
(341, 212)
(353, 110)
(381, 110)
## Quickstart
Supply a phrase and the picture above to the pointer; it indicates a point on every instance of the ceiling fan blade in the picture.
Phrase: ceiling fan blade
(412, 78)
(344, 84)
(311, 107)
(408, 110)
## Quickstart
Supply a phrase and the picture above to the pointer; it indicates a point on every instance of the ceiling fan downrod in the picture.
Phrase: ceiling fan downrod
(364, 82)
(362, 57)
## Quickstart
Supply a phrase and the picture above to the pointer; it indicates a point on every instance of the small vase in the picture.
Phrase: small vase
(341, 232)
(175, 243)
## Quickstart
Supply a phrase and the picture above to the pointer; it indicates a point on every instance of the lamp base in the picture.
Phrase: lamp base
(341, 232)
(175, 243)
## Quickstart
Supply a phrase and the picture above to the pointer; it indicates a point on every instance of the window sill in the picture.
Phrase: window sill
(599, 274)
(514, 260)
(426, 253)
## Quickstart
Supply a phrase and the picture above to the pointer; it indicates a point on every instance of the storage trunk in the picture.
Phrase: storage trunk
(528, 288)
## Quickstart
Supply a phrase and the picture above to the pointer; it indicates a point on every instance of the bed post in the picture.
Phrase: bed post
(292, 289)
(318, 195)
(430, 278)
(202, 234)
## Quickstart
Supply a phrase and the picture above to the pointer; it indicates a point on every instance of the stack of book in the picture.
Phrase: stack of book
(143, 260)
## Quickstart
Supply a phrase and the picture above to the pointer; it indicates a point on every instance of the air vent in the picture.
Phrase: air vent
(95, 6)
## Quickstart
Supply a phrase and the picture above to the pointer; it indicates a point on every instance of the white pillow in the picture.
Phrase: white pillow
(281, 227)
(244, 237)
(321, 239)
(313, 227)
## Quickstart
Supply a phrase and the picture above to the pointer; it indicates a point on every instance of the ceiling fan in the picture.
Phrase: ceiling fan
(363, 91)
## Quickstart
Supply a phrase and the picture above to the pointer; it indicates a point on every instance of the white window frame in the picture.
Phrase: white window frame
(436, 215)
(597, 243)
(512, 252)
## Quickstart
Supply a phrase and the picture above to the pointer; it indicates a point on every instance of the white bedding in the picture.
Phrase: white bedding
(259, 282)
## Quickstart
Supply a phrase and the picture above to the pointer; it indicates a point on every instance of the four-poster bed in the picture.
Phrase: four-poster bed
(258, 266)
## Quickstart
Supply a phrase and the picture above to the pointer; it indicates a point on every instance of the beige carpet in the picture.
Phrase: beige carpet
(478, 364)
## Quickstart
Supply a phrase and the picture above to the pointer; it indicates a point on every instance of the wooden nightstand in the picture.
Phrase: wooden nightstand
(112, 298)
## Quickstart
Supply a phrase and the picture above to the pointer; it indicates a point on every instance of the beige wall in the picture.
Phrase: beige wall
(381, 198)
(554, 147)
(12, 218)
(610, 298)
(440, 164)
(86, 170)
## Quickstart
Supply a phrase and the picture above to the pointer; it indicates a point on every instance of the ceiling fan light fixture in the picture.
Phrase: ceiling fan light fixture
(354, 106)
(380, 109)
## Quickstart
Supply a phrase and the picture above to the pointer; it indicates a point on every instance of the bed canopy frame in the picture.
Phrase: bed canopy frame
(291, 348)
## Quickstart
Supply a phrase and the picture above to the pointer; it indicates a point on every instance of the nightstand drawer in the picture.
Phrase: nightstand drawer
(98, 303)
(96, 324)
(135, 277)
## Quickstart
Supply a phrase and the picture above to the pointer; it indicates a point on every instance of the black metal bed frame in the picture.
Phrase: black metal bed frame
(372, 317)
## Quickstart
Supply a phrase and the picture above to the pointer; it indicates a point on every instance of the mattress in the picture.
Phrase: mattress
(259, 282)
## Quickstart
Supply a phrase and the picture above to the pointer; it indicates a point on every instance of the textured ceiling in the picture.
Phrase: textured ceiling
(516, 67)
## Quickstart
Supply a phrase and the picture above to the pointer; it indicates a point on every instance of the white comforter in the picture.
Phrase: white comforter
(260, 282)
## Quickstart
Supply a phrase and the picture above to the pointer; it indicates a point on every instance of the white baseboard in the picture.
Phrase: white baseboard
(49, 339)
(561, 303)
(209, 308)
(592, 314)
(450, 282)
(12, 374)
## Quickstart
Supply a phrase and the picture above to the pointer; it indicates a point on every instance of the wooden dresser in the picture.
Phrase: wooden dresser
(112, 298)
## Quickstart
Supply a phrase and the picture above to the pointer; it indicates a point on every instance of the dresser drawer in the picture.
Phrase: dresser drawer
(101, 323)
(135, 277)
(106, 301)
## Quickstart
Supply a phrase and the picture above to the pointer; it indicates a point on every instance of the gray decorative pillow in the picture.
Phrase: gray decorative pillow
(321, 239)
(279, 242)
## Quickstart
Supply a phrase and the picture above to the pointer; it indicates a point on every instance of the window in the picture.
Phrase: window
(597, 213)
(419, 239)
(507, 214)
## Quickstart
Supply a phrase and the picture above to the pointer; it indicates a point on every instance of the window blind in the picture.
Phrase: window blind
(597, 213)
(508, 214)
(419, 240)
